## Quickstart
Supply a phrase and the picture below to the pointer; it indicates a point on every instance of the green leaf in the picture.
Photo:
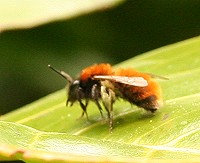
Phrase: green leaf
(27, 14)
(55, 134)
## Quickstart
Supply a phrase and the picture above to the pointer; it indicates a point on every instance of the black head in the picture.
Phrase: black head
(75, 92)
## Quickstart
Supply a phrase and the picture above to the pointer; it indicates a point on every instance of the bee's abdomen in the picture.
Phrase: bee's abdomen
(149, 103)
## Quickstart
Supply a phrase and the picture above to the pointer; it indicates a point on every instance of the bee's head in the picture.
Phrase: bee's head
(75, 92)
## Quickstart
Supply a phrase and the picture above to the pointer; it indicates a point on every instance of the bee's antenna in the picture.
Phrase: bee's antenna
(62, 73)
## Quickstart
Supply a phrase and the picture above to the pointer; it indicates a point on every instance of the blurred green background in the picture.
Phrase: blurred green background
(112, 35)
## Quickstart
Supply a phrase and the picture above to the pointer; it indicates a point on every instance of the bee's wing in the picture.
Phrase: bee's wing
(157, 76)
(134, 81)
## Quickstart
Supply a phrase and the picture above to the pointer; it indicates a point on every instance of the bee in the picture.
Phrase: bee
(102, 84)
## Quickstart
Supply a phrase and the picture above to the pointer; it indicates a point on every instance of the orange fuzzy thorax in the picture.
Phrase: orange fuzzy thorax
(97, 69)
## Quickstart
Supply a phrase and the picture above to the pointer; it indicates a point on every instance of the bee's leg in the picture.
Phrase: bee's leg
(99, 107)
(108, 98)
(95, 96)
(84, 108)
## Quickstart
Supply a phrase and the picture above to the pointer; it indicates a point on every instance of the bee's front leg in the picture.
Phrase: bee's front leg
(84, 108)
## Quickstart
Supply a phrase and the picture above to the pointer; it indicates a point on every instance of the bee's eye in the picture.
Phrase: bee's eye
(75, 86)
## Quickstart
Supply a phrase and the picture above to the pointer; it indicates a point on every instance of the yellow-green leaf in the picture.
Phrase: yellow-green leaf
(172, 134)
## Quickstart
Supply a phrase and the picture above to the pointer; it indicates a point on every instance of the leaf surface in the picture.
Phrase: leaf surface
(48, 128)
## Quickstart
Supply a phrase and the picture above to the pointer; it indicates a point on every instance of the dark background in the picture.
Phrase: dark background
(108, 36)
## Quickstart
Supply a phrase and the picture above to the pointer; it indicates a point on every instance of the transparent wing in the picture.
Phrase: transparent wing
(134, 81)
(157, 76)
